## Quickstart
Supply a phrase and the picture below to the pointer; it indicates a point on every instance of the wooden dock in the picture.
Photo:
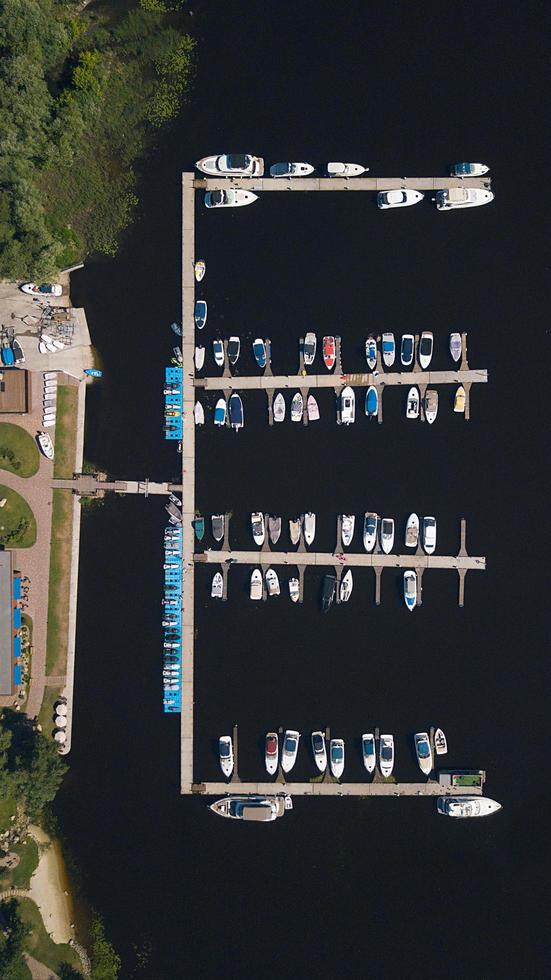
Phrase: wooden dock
(373, 184)
(376, 788)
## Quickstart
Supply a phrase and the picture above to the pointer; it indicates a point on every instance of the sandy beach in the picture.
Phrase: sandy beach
(48, 888)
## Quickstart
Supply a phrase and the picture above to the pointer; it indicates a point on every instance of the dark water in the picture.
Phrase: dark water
(338, 888)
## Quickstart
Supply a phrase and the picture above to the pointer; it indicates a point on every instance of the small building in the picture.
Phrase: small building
(15, 391)
(10, 620)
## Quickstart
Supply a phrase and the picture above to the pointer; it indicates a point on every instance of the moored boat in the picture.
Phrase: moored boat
(260, 809)
(412, 531)
(199, 357)
(371, 402)
(456, 346)
(309, 523)
(255, 590)
(289, 750)
(217, 587)
(294, 589)
(413, 403)
(347, 412)
(386, 755)
(200, 268)
(371, 524)
(426, 345)
(337, 169)
(388, 348)
(271, 753)
(279, 408)
(348, 522)
(319, 750)
(459, 400)
(423, 752)
(368, 751)
(467, 806)
(218, 523)
(225, 751)
(336, 757)
(410, 589)
(440, 742)
(231, 165)
(329, 352)
(198, 414)
(429, 534)
(200, 313)
(234, 349)
(387, 534)
(371, 352)
(328, 590)
(235, 411)
(291, 169)
(272, 582)
(229, 199)
(259, 351)
(312, 409)
(258, 528)
(297, 407)
(469, 170)
(309, 348)
(45, 444)
(398, 198)
(218, 352)
(430, 404)
(295, 527)
(462, 197)
(220, 411)
(274, 528)
(346, 586)
(407, 349)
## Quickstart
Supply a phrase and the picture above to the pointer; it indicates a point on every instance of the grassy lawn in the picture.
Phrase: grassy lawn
(7, 809)
(46, 714)
(17, 523)
(65, 432)
(60, 572)
(18, 451)
(39, 944)
(20, 877)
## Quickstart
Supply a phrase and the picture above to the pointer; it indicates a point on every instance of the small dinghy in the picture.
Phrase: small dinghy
(386, 755)
(329, 352)
(200, 269)
(176, 328)
(347, 406)
(412, 531)
(309, 348)
(312, 409)
(235, 412)
(199, 528)
(217, 587)
(255, 591)
(336, 757)
(279, 408)
(459, 400)
(199, 414)
(456, 346)
(258, 528)
(346, 586)
(319, 750)
(218, 522)
(348, 522)
(410, 589)
(200, 313)
(423, 752)
(271, 753)
(295, 527)
(468, 169)
(297, 407)
(225, 753)
(372, 402)
(440, 742)
(387, 534)
(328, 589)
(234, 349)
(220, 412)
(371, 526)
(274, 528)
(430, 404)
(388, 347)
(413, 403)
(199, 357)
(426, 345)
(368, 751)
(335, 169)
(218, 352)
(309, 527)
(371, 353)
(272, 582)
(259, 351)
(294, 589)
(291, 169)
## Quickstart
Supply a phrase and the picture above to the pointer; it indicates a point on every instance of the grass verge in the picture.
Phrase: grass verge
(65, 432)
(18, 451)
(20, 877)
(17, 522)
(39, 944)
(60, 580)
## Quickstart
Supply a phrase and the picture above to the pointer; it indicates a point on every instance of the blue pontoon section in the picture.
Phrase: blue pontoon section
(172, 616)
(173, 403)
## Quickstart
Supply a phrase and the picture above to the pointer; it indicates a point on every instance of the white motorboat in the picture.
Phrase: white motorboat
(218, 352)
(403, 198)
(425, 349)
(218, 523)
(309, 348)
(336, 169)
(279, 408)
(440, 742)
(255, 591)
(388, 348)
(429, 534)
(291, 169)
(297, 407)
(368, 751)
(469, 170)
(309, 527)
(456, 346)
(217, 587)
(413, 403)
(295, 527)
(467, 806)
(200, 313)
(371, 352)
(274, 528)
(271, 753)
(220, 412)
(235, 411)
(229, 199)
(430, 404)
(199, 414)
(294, 589)
(234, 350)
(200, 268)
(348, 522)
(272, 582)
(423, 752)
(459, 400)
(225, 750)
(371, 524)
(46, 445)
(312, 409)
(387, 534)
(260, 809)
(410, 589)
(336, 757)
(347, 412)
(231, 165)
(372, 402)
(289, 750)
(386, 755)
(412, 531)
(258, 528)
(199, 358)
(346, 586)
(462, 197)
(319, 750)
(407, 349)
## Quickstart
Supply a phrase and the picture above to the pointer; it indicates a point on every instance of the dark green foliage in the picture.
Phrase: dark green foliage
(105, 961)
(31, 769)
(12, 937)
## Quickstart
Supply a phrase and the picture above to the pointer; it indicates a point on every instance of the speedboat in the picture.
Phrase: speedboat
(234, 349)
(440, 742)
(220, 411)
(456, 346)
(309, 527)
(46, 445)
(295, 527)
(329, 587)
(423, 752)
(259, 351)
(372, 402)
(271, 753)
(371, 352)
(200, 313)
(407, 349)
(336, 757)
(430, 404)
(258, 528)
(429, 534)
(412, 531)
(312, 409)
(347, 528)
(200, 268)
(199, 357)
(469, 169)
(279, 407)
(371, 523)
(294, 589)
(368, 751)
(462, 197)
(218, 352)
(425, 349)
(398, 198)
(235, 411)
(347, 406)
(217, 587)
(272, 582)
(297, 407)
(218, 522)
(319, 750)
(291, 169)
(255, 591)
(231, 165)
(467, 806)
(386, 755)
(289, 750)
(413, 403)
(335, 169)
(198, 414)
(229, 199)
(329, 352)
(388, 347)
(459, 400)
(225, 749)
(309, 348)
(260, 809)
(387, 534)
(346, 586)
(274, 528)
(410, 589)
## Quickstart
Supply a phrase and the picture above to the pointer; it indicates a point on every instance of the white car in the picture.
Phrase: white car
(45, 289)
(231, 165)
(398, 199)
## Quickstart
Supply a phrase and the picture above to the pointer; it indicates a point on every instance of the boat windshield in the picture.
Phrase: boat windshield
(238, 161)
